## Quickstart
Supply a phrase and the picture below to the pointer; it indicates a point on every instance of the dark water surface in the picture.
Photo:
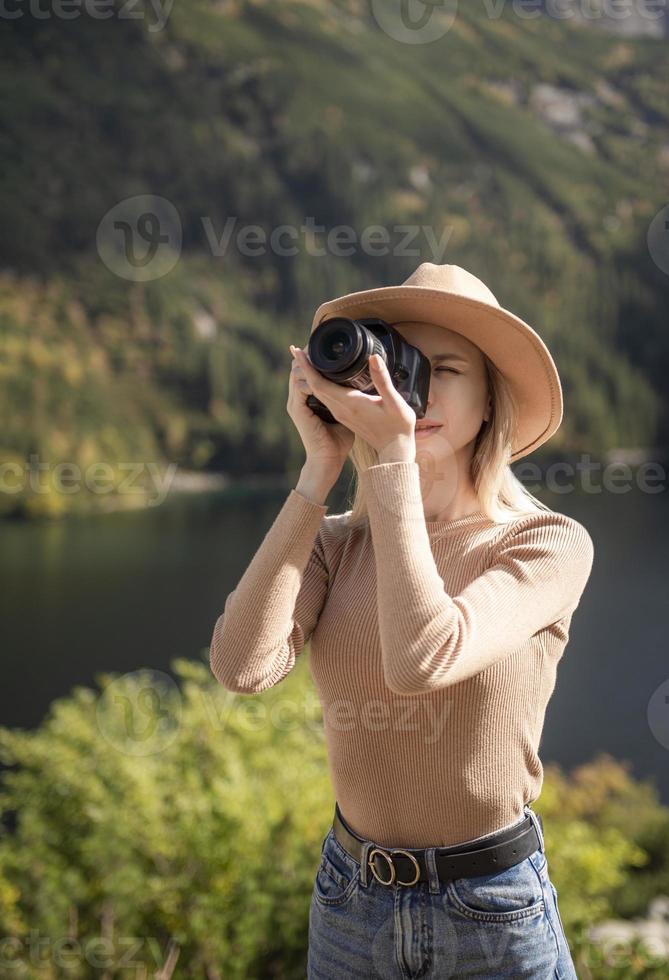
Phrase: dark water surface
(128, 590)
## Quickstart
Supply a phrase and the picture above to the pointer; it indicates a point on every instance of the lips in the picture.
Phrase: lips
(424, 428)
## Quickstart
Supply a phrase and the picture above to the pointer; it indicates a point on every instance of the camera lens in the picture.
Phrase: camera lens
(337, 348)
(340, 348)
(336, 344)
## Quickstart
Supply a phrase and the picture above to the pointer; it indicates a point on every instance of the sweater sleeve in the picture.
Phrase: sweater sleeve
(431, 640)
(268, 618)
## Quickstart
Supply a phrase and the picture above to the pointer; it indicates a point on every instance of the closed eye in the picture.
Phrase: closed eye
(448, 369)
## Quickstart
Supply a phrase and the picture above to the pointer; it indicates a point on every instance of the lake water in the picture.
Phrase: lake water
(128, 590)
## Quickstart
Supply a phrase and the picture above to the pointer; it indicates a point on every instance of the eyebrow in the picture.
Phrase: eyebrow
(448, 357)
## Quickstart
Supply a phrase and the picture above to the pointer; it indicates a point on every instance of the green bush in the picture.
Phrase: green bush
(164, 819)
(161, 823)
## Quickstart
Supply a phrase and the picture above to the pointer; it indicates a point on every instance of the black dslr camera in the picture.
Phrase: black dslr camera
(340, 348)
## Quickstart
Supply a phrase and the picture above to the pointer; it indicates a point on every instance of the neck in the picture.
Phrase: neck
(447, 490)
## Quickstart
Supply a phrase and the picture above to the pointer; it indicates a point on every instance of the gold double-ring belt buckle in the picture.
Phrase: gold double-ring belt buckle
(388, 856)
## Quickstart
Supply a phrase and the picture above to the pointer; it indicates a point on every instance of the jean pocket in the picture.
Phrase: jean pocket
(501, 896)
(338, 874)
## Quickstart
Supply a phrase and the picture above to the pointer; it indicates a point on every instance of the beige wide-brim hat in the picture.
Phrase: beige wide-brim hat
(451, 297)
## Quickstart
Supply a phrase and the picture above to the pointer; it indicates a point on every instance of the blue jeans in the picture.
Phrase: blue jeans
(499, 926)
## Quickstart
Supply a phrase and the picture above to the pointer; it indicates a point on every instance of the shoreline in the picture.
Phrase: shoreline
(189, 482)
(193, 481)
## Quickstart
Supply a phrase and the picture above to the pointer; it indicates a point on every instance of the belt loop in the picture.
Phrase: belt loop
(364, 866)
(537, 825)
(366, 848)
(432, 870)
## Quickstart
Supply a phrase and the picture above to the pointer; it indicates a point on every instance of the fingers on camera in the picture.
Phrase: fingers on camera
(300, 379)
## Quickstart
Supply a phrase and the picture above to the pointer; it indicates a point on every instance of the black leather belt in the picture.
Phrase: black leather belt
(406, 866)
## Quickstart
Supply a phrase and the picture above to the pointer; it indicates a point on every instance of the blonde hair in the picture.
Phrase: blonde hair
(501, 495)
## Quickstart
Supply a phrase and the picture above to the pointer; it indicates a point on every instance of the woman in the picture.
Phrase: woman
(437, 608)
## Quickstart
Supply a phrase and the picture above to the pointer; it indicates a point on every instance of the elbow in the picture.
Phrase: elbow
(236, 687)
(222, 664)
(240, 676)
(224, 678)
(232, 682)
(218, 669)
(215, 659)
(412, 686)
(404, 691)
(408, 677)
(405, 684)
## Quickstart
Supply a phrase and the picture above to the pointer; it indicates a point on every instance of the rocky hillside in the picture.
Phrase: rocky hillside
(530, 151)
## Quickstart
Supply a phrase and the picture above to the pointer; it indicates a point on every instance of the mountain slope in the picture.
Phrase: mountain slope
(532, 153)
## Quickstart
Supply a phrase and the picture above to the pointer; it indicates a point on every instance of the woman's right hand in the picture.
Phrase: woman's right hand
(327, 444)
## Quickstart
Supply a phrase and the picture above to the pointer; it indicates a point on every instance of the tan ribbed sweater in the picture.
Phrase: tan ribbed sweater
(434, 648)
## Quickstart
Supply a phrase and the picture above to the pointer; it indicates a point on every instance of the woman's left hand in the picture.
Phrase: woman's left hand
(385, 420)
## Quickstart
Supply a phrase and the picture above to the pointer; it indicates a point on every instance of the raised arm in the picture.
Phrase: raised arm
(269, 617)
(431, 640)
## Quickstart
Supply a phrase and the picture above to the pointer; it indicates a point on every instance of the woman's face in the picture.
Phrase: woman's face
(458, 398)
